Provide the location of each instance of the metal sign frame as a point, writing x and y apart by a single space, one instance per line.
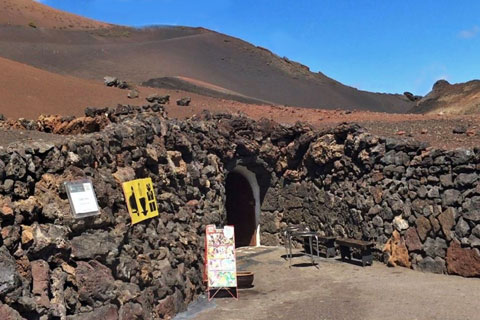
82 198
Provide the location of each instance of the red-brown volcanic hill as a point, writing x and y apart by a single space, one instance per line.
29 12
27 92
195 53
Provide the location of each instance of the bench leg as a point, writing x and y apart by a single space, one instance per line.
345 252
331 252
310 242
367 257
290 249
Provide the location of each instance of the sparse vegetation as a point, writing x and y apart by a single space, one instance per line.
32 24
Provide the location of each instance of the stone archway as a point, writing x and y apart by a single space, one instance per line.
243 206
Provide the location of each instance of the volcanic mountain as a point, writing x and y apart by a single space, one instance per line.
62 43
446 98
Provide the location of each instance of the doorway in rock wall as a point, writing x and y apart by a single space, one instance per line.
241 211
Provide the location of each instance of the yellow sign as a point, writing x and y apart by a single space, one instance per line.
140 197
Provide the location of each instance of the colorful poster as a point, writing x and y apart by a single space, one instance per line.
220 257
141 200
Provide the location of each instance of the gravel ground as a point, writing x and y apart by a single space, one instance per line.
340 290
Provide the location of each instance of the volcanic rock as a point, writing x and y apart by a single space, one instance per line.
410 96
92 112
399 223
110 81
462 228
156 98
451 197
107 312
9 276
447 221
133 94
184 102
465 180
94 245
7 313
476 231
412 240
325 150
94 281
124 174
397 251
464 262
123 85
429 264
131 311
47 238
472 207
423 227
41 279
459 129
435 247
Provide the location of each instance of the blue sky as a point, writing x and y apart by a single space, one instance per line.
382 46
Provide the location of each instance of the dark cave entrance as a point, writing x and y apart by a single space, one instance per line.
240 207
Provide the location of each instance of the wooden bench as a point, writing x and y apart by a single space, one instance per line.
365 248
327 244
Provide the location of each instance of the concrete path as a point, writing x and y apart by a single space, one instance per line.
338 290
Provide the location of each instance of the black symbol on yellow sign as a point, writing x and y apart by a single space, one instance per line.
141 202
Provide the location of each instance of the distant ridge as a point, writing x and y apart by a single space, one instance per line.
446 98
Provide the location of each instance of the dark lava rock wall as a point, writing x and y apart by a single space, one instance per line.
55 267
421 206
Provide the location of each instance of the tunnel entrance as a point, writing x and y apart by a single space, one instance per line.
241 207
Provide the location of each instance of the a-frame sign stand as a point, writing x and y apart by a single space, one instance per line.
220 261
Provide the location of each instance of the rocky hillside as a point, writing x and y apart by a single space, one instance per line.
138 55
446 98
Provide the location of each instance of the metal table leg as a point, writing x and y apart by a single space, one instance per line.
311 248
290 248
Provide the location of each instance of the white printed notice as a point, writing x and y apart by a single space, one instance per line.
82 198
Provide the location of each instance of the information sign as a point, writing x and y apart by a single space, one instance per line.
141 201
82 198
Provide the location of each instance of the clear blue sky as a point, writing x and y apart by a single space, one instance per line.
384 46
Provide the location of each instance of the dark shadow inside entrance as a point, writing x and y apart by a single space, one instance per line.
240 207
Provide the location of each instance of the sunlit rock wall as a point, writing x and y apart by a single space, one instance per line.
421 204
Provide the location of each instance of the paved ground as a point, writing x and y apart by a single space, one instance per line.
338 290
